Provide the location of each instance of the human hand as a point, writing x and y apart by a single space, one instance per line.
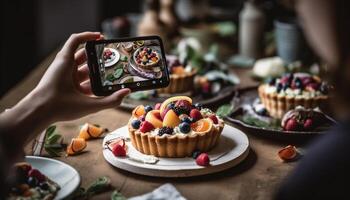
65 87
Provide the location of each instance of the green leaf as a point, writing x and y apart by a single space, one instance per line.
53 139
118 73
110 77
100 185
224 110
124 58
255 122
117 196
50 130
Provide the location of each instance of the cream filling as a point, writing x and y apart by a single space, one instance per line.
292 92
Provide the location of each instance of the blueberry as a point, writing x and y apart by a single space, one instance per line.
44 185
32 181
185 127
298 83
199 106
187 120
171 105
262 112
136 123
324 88
195 154
279 87
148 108
271 81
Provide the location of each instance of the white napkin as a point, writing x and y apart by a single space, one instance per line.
164 192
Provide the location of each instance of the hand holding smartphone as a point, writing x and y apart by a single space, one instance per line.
136 63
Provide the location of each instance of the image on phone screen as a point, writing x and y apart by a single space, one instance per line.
130 61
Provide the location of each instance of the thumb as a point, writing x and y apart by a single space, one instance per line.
114 99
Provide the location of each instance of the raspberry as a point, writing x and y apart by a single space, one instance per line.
203 159
291 125
36 174
214 119
119 151
308 124
195 114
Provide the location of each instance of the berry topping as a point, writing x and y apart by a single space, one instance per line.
165 130
142 118
32 181
203 159
308 124
186 119
181 110
171 105
136 123
291 125
185 127
199 106
196 153
36 174
184 104
324 88
148 108
195 114
174 99
119 151
146 127
214 119
279 87
271 81
157 106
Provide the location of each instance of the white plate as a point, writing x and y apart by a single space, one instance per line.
64 175
232 149
116 58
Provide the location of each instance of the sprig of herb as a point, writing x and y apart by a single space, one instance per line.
101 184
224 110
53 144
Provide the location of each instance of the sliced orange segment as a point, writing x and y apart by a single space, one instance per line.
138 111
202 125
76 145
153 117
173 99
89 131
171 119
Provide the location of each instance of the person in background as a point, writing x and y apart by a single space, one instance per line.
63 93
324 172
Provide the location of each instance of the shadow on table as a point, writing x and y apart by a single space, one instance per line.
245 165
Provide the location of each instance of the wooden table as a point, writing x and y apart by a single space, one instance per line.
255 178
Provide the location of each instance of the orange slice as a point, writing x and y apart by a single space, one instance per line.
138 111
77 145
178 70
171 119
153 117
202 125
173 99
89 131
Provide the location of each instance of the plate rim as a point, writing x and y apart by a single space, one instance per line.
149 171
62 163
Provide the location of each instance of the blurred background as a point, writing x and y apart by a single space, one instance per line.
33 29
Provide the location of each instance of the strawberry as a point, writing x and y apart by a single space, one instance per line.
195 114
308 124
157 106
36 174
146 127
214 119
203 159
119 151
291 125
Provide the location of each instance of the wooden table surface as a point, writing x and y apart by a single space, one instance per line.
257 177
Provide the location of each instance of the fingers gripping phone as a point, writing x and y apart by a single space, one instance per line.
136 63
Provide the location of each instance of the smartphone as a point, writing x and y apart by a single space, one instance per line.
137 63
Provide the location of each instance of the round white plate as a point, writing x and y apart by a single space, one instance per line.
116 58
64 175
232 149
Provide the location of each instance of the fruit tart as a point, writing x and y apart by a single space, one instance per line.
146 57
181 77
174 128
32 184
282 94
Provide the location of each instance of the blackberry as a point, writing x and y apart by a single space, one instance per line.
324 88
199 106
165 130
181 110
148 108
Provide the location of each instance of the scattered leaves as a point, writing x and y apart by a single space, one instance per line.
117 196
118 73
53 144
224 110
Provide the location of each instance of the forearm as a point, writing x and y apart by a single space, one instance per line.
28 117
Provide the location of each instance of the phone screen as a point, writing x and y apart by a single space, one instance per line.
135 63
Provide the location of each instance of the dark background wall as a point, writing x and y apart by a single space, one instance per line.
31 29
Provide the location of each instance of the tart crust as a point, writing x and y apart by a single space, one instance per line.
175 146
278 105
179 83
